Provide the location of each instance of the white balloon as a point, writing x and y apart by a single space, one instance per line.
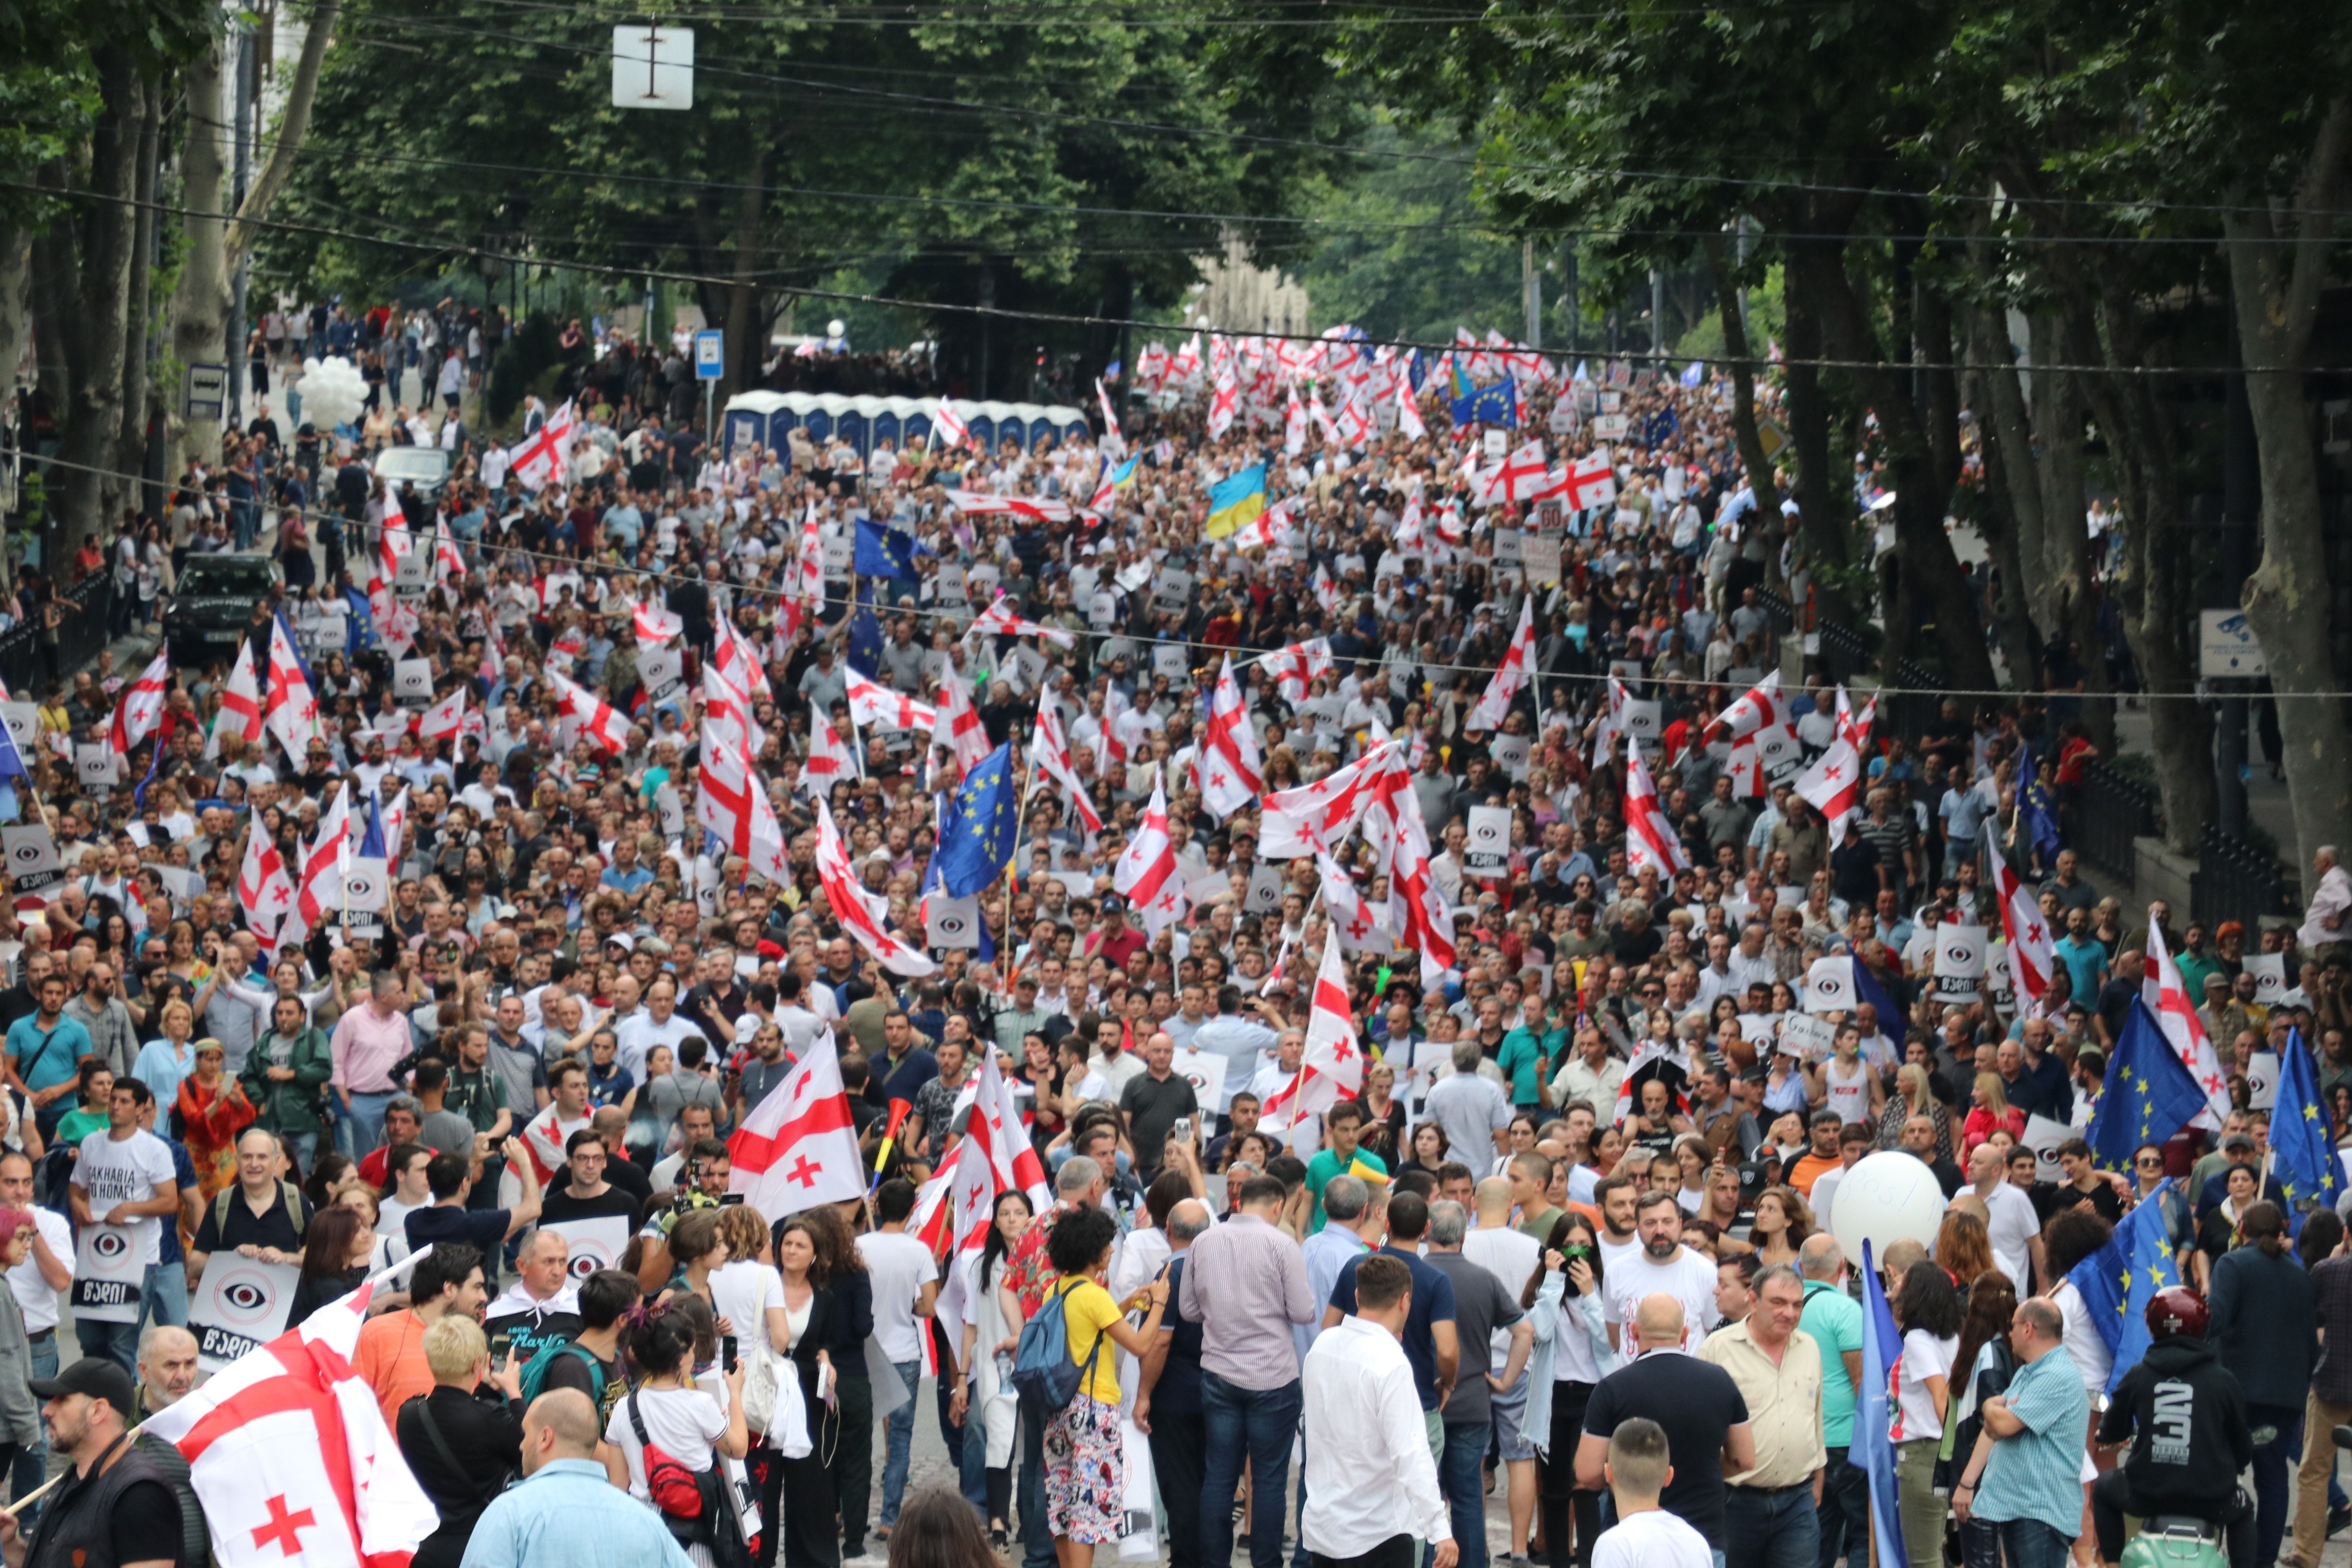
332 391
1886 1197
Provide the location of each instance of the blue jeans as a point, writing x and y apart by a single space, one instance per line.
2274 1475
2029 1544
1461 1474
1036 1539
365 1122
1843 1521
1772 1529
117 1341
899 1432
1252 1426
972 1470
33 1459
163 1297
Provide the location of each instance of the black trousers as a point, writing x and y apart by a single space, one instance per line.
853 1465
2114 1495
1396 1552
1180 1458
1562 1498
797 1498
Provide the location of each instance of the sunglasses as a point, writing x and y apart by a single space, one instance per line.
2153 1164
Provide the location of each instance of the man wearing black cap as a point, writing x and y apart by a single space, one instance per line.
112 1509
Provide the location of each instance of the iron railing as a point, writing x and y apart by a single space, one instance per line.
2236 881
28 665
2110 811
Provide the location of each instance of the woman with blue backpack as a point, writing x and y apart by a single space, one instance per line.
1077 1396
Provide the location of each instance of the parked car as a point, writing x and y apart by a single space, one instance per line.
424 470
212 605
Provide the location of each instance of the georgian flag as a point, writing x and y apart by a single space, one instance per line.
1294 425
2030 951
1358 927
724 785
997 1112
1049 755
1761 707
735 658
445 720
240 706
141 708
590 715
1650 839
872 704
947 426
655 625
958 726
1418 912
1331 1068
1037 509
859 912
799 1146
290 1457
2167 997
545 457
1408 411
290 709
828 759
1187 363
321 892
1224 402
1327 592
1517 477
805 594
1325 425
1833 783
264 892
1112 440
1511 676
1300 662
998 620
1231 773
1317 816
1262 532
542 1138
1591 480
1147 874
449 560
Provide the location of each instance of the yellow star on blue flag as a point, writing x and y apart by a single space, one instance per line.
976 844
2303 1141
2118 1282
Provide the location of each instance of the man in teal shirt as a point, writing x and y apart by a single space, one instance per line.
1526 1057
1834 1320
2031 1486
1345 1123
44 1051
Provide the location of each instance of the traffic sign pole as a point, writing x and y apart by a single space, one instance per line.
709 365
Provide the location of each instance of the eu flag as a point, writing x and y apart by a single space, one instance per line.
2033 802
1661 427
2148 1094
863 648
1872 1453
2118 1282
982 822
1494 404
2302 1142
883 551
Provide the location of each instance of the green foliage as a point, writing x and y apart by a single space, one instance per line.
1404 252
529 349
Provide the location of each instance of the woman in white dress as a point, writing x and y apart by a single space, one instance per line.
991 1332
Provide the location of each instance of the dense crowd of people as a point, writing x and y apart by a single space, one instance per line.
1590 1125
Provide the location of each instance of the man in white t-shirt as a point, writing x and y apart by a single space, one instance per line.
1664 1267
1645 1535
905 1281
123 1180
1496 1245
2011 1225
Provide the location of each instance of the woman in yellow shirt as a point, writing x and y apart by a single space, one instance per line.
1086 1472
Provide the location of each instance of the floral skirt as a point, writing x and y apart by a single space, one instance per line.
1085 1473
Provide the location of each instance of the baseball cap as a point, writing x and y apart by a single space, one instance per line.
2238 1141
93 1375
623 940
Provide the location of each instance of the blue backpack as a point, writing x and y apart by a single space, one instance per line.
1043 1375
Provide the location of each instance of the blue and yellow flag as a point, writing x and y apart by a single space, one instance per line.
1123 477
2302 1142
1237 502
2148 1095
1494 404
2118 1282
982 822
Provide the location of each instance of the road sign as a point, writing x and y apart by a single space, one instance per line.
2226 646
206 391
653 67
710 355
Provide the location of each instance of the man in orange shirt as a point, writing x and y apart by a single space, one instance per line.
391 1353
1821 1158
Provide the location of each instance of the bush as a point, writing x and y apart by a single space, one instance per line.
529 350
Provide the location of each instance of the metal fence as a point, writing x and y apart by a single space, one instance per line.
2110 811
1844 652
1778 610
2236 881
27 664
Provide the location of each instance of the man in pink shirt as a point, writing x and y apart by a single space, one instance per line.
367 1042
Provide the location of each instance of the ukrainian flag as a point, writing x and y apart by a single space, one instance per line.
1123 477
1237 502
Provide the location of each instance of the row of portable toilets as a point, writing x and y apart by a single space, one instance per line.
768 419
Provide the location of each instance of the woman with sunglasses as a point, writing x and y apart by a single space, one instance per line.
2148 1174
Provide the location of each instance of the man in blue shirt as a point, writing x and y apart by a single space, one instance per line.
43 1050
2031 1486
566 1510
1429 1342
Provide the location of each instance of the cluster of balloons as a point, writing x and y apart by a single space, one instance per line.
332 391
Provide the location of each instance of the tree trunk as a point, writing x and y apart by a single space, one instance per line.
139 316
1761 477
2275 288
16 298
2012 620
200 298
95 354
1822 514
293 125
744 316
1928 566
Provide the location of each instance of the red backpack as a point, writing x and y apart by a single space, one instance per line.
675 1489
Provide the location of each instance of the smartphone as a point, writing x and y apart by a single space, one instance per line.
727 1351
498 1346
1184 1127
726 1198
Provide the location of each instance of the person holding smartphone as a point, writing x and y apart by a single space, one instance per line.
1571 1355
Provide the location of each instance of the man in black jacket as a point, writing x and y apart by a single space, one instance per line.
2186 1417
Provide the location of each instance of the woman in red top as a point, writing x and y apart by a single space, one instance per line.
1992 1113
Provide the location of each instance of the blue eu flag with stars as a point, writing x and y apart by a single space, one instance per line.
2148 1096
982 822
883 551
2302 1142
1494 404
864 649
1872 1452
2118 1282
2033 803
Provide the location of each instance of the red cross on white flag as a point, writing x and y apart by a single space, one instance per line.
799 1147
